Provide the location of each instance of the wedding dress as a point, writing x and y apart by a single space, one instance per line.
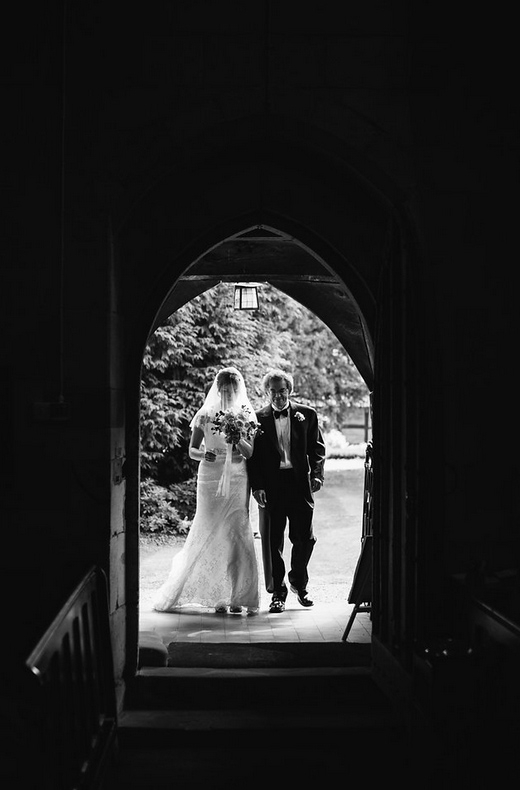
217 565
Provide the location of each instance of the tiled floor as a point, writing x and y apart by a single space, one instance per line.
325 622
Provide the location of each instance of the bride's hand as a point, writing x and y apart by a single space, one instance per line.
209 455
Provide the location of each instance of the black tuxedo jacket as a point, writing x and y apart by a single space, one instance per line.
307 450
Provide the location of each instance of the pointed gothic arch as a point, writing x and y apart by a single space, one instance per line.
356 264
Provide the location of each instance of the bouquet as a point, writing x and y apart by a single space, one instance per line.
235 425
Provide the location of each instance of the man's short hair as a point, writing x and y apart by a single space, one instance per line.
277 373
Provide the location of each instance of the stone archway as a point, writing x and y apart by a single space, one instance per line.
267 254
335 250
271 255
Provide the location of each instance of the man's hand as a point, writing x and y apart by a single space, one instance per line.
260 497
316 484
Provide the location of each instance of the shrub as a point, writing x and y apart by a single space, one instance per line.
160 515
337 446
185 497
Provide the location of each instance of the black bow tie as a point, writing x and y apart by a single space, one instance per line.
282 413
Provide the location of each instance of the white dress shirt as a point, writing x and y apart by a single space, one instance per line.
283 432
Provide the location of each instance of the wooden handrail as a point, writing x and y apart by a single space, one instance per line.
72 665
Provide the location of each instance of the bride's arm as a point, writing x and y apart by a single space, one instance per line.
195 452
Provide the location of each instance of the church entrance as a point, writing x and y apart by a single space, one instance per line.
339 505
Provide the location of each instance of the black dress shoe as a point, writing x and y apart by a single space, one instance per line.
281 593
277 605
303 597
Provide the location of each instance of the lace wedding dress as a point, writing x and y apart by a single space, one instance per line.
217 565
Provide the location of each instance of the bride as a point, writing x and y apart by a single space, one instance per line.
217 565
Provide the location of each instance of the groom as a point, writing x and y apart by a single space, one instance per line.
285 470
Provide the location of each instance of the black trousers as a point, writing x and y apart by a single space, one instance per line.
287 502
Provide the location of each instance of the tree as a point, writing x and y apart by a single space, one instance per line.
325 375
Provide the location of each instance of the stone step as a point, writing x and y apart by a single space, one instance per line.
216 748
163 728
182 688
207 726
154 652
